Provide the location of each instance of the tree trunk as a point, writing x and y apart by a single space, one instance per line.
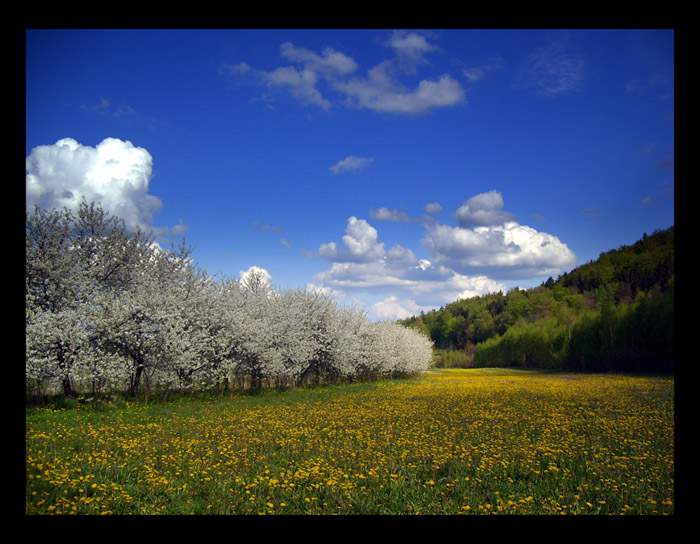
64 363
67 387
136 376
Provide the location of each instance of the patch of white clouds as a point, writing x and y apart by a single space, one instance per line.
179 229
467 260
509 250
385 214
382 92
363 264
360 244
329 63
313 77
410 45
478 73
392 308
433 207
115 174
483 209
105 107
394 215
352 163
552 70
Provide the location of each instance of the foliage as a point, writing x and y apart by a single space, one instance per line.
612 314
109 310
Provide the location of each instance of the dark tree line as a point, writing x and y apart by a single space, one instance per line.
612 314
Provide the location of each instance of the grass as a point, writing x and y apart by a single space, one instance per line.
454 442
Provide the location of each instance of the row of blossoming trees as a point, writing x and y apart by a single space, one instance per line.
108 310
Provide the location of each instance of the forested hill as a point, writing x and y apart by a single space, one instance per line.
643 266
614 313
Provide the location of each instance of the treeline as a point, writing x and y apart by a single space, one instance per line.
612 314
110 311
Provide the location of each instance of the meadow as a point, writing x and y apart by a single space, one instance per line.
489 441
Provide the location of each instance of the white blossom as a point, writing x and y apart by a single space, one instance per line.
108 310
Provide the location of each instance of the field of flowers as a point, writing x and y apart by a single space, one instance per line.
453 442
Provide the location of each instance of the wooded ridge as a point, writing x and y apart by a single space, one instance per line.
612 314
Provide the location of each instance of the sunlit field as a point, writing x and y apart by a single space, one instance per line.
453 442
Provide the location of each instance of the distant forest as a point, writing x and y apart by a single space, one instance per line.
613 314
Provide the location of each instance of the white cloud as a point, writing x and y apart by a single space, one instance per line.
263 274
381 90
360 241
115 174
427 286
102 107
433 207
179 229
483 209
473 74
382 93
395 216
464 262
477 73
301 84
330 63
508 250
410 43
240 68
552 70
391 308
351 164
265 226
364 265
385 214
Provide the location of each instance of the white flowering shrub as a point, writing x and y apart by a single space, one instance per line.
109 310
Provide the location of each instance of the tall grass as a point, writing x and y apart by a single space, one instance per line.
455 442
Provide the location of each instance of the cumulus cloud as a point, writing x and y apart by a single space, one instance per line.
360 244
507 250
115 174
317 79
465 261
483 209
352 163
365 265
257 273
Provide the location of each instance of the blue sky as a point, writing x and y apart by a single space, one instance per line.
397 169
